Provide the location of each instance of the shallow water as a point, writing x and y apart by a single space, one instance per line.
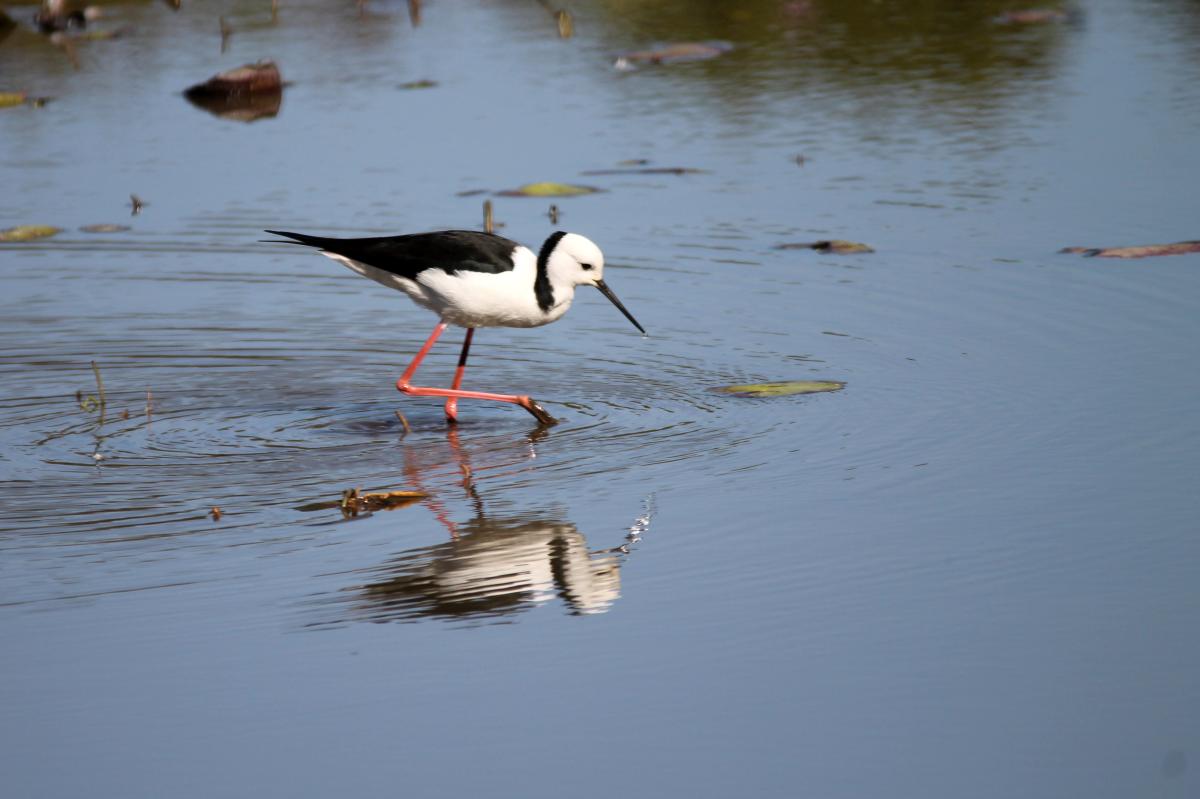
971 572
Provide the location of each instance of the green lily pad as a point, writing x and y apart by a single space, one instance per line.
549 189
782 389
28 232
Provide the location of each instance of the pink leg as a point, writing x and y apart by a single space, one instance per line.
452 402
405 386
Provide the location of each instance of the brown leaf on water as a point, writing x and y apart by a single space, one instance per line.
1142 251
835 246
650 170
418 84
28 233
672 53
1032 16
354 501
104 228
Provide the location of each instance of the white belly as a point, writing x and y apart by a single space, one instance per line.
470 299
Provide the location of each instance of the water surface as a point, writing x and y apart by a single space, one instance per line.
971 572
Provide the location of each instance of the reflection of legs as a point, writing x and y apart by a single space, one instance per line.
405 386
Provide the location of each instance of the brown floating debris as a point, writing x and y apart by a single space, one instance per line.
215 513
672 53
260 78
355 501
404 423
649 170
1142 251
28 233
836 246
1032 16
104 228
250 92
418 84
566 24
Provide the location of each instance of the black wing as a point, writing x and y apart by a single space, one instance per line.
409 255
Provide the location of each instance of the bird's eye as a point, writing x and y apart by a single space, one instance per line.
588 267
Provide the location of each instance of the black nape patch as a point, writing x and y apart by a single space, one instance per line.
541 284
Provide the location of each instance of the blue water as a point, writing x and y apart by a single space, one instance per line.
972 572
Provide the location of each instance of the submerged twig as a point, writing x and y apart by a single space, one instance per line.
404 423
489 225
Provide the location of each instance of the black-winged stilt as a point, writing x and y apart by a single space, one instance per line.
473 279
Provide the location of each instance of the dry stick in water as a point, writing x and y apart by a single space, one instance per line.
99 386
149 405
489 225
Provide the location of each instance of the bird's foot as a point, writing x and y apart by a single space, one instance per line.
452 410
538 411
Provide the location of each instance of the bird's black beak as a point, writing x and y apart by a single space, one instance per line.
607 292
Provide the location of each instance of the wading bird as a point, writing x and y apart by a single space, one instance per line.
472 280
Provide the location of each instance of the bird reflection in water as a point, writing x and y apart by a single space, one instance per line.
492 567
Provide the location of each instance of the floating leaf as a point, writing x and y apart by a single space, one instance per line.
782 389
1144 251
11 99
673 53
1032 16
650 170
548 189
836 246
418 84
104 228
354 501
28 232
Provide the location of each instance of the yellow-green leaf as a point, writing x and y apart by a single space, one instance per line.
782 389
10 99
549 189
28 232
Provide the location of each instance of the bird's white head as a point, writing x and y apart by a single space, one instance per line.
574 259
568 260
